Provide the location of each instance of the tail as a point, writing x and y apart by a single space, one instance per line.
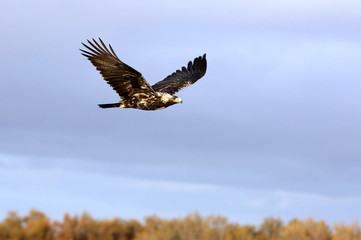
109 105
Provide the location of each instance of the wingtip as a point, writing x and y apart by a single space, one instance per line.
101 41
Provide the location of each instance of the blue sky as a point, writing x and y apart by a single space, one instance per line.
272 129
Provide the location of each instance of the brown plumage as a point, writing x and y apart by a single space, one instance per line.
131 86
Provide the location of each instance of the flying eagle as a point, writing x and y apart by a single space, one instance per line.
133 89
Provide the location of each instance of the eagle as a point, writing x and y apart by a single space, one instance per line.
133 89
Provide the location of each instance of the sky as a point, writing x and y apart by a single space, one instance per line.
272 129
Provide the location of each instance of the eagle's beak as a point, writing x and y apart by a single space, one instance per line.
178 100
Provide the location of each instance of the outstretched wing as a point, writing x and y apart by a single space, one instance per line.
125 80
183 78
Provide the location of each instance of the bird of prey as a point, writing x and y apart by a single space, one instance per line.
133 89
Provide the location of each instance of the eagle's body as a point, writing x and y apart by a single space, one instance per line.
145 101
133 89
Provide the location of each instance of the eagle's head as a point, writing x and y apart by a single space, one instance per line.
177 99
170 99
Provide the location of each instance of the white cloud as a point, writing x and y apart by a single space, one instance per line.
257 202
287 200
166 185
19 167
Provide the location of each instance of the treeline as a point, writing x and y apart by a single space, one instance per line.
37 226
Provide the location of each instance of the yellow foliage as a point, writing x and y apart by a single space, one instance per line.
37 226
343 232
306 230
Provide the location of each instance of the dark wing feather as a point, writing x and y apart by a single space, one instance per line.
183 78
125 80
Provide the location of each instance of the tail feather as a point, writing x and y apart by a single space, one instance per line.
109 105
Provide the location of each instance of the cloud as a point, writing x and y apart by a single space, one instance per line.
32 168
288 199
257 203
74 185
167 186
